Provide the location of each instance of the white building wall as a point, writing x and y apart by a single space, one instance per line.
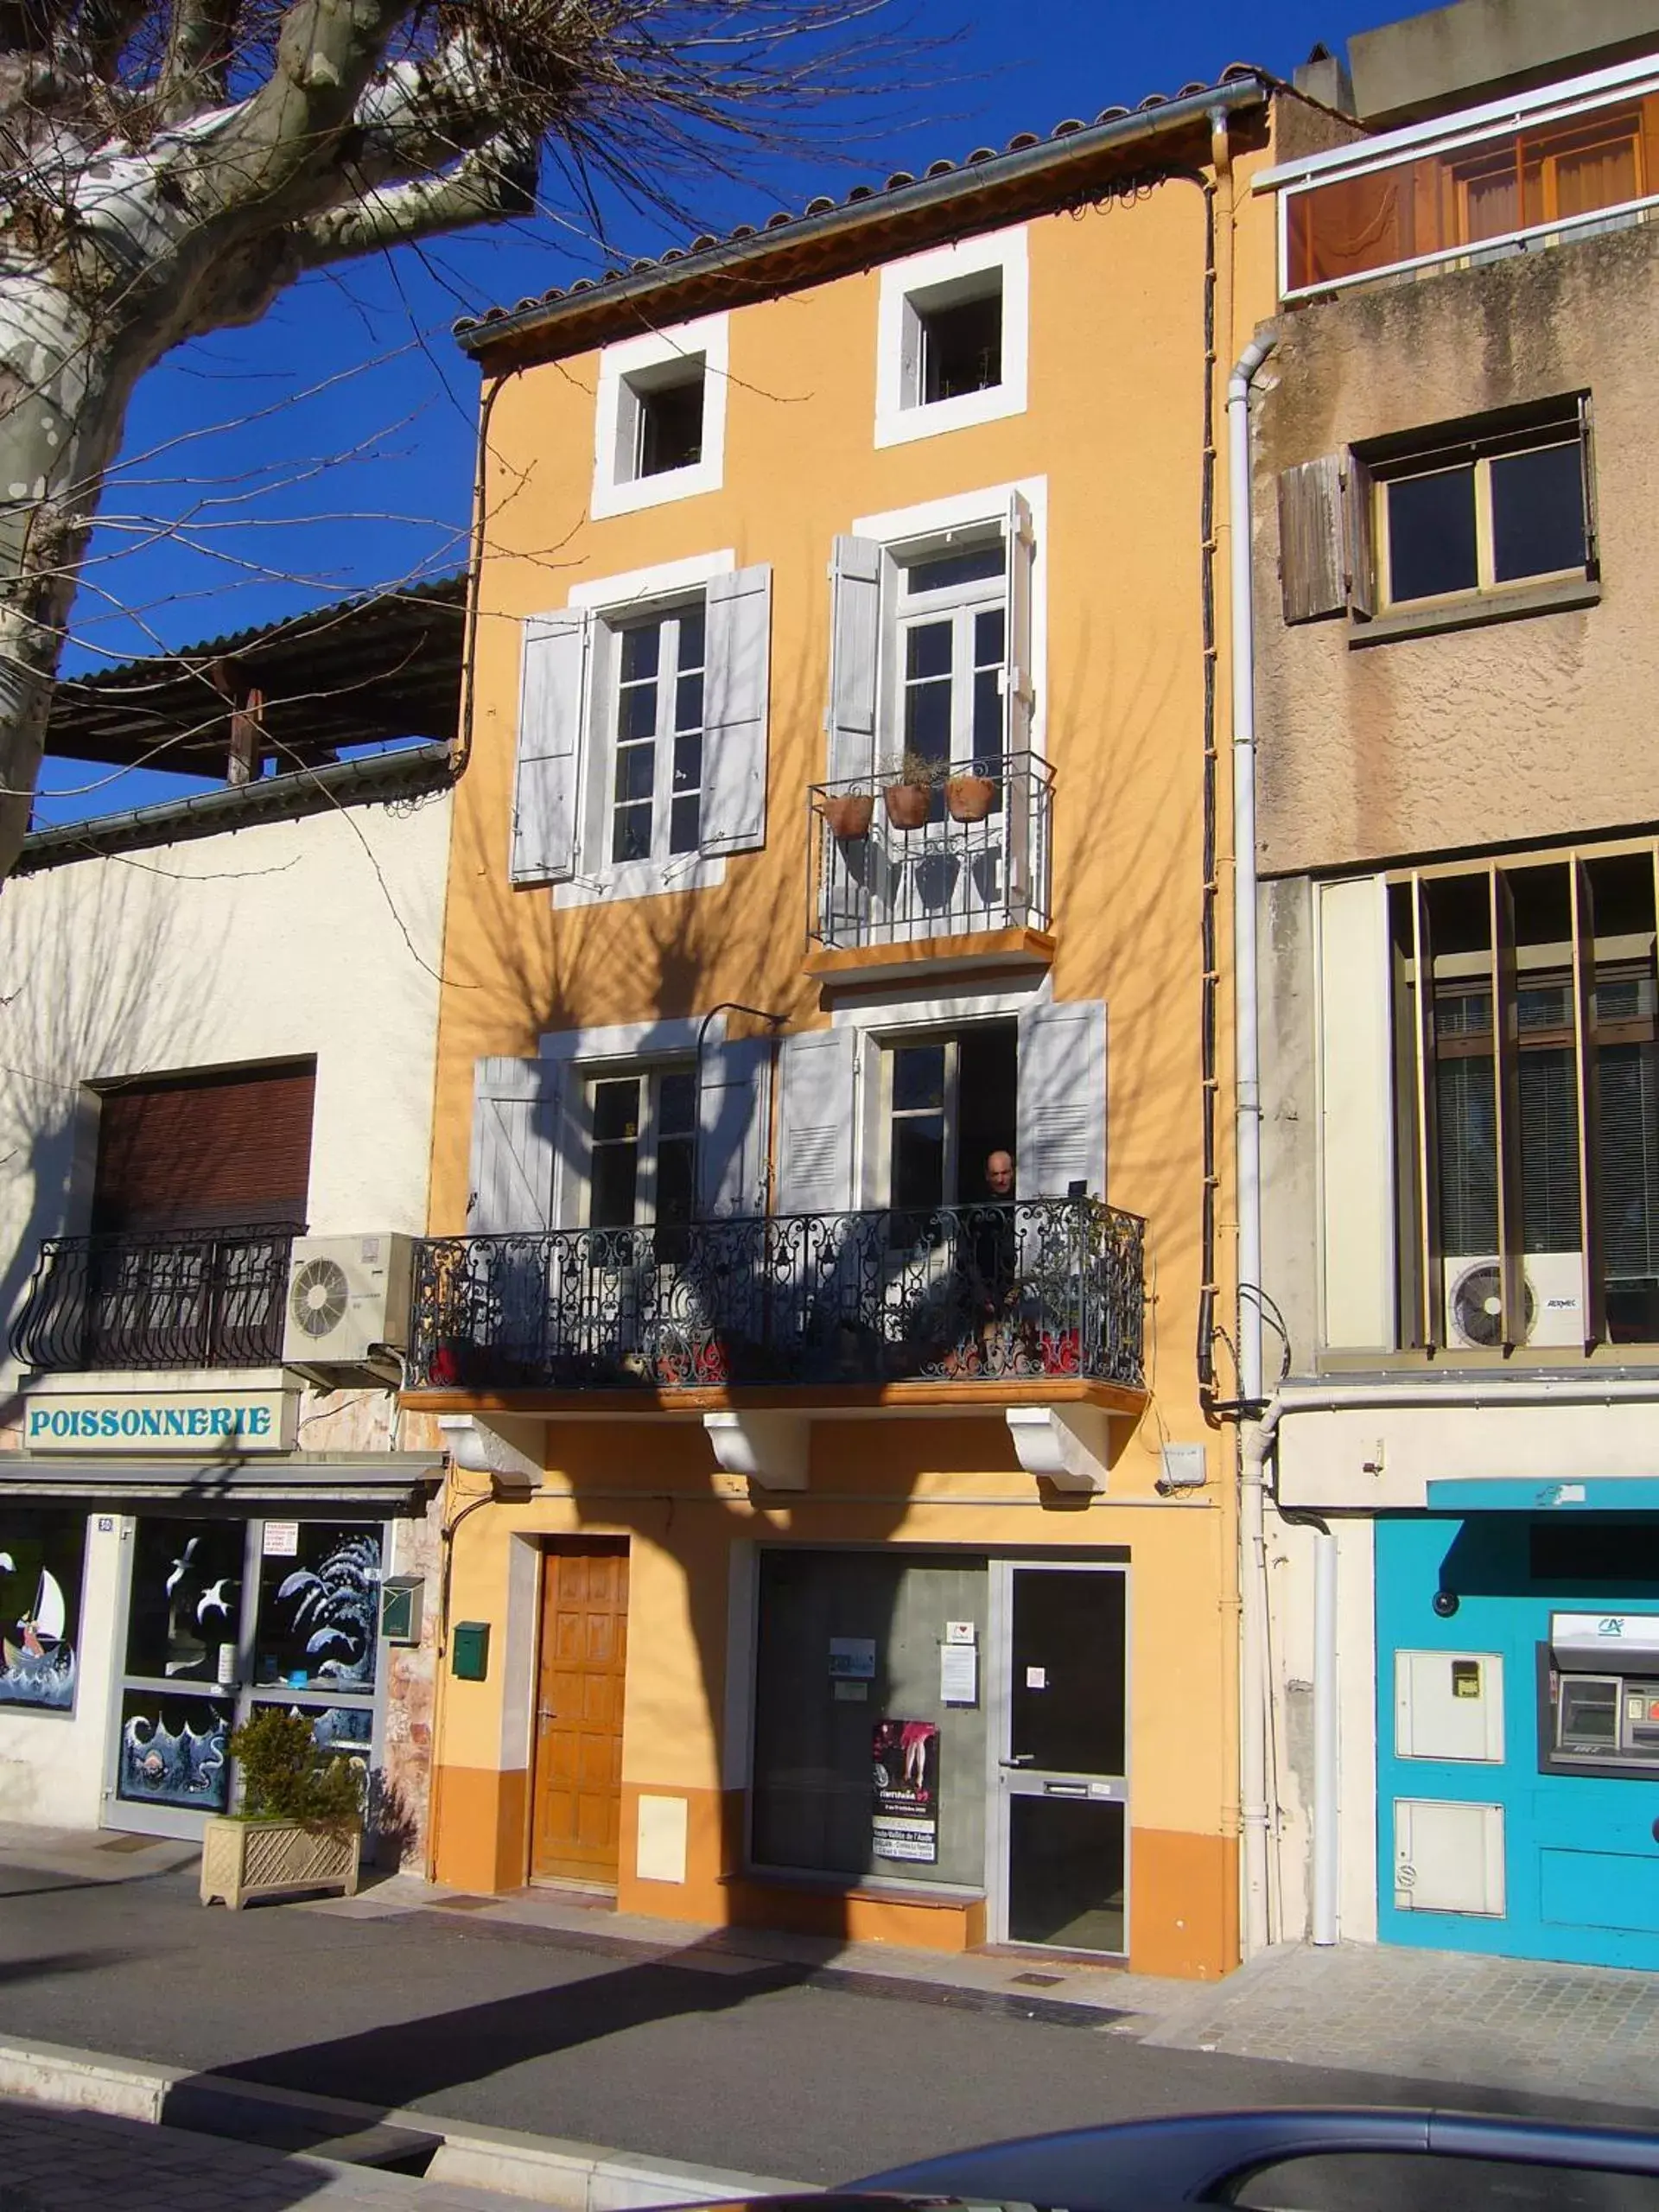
320 936
317 937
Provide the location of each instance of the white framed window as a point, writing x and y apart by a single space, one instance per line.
952 338
950 658
948 1102
937 637
642 1126
643 732
660 417
655 802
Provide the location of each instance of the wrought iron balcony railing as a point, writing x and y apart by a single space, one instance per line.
1042 1286
896 863
207 1298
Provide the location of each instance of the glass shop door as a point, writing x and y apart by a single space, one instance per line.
1060 1868
225 1614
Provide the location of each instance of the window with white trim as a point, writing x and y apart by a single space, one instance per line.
952 338
934 818
643 734
951 623
660 417
643 1125
951 1101
656 797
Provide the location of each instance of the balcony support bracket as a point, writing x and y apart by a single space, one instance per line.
771 1449
1067 1445
507 1452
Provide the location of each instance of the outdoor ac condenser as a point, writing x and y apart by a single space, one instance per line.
347 1298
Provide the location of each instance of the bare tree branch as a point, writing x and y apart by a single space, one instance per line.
499 179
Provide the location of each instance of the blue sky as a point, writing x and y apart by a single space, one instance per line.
328 448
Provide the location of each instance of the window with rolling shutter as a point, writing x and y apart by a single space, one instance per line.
205 1151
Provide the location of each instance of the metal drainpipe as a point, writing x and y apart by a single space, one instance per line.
1325 1920
1256 1434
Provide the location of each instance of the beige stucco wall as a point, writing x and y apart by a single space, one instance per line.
1533 729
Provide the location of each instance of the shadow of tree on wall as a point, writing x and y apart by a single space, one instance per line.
99 980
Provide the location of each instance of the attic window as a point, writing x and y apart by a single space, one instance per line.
665 429
958 346
660 417
952 337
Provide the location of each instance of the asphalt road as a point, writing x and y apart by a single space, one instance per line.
721 2061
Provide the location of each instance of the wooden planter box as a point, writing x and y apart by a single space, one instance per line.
276 1858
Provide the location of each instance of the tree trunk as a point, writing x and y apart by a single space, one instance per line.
63 401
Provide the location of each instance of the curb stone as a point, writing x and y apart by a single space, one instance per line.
552 2170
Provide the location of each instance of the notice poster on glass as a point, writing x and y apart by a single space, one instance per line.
905 1823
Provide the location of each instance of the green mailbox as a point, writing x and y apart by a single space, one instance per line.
400 1607
469 1651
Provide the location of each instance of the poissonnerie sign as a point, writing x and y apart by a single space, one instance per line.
202 1421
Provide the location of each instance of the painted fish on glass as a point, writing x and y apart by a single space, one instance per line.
337 1603
168 1768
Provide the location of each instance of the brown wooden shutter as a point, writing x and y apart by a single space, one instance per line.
1311 539
1358 552
209 1151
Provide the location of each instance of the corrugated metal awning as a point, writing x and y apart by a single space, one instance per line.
390 1482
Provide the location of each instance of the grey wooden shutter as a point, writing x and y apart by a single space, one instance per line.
815 1121
854 655
550 748
1062 1100
515 1146
735 691
1327 562
734 1105
1311 539
1018 690
1359 553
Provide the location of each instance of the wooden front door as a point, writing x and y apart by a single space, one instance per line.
576 1826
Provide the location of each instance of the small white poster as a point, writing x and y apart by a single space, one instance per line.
1036 1678
959 1673
282 1539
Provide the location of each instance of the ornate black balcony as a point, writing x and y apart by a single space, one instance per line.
207 1298
894 863
1043 1287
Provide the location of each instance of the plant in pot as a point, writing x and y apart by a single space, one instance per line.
971 796
909 798
300 1824
848 813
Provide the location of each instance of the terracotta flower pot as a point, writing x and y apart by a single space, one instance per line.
850 815
969 799
908 804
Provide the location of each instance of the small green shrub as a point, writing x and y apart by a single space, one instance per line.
286 1777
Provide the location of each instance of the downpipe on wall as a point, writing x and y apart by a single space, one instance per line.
1258 1420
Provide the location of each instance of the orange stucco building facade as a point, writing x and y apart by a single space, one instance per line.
841 1534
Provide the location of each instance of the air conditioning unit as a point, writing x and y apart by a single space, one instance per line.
347 1299
1552 1301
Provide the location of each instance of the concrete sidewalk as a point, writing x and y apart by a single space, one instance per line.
541 2013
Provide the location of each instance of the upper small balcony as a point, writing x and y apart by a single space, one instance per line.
1537 169
1042 1296
947 867
208 1298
